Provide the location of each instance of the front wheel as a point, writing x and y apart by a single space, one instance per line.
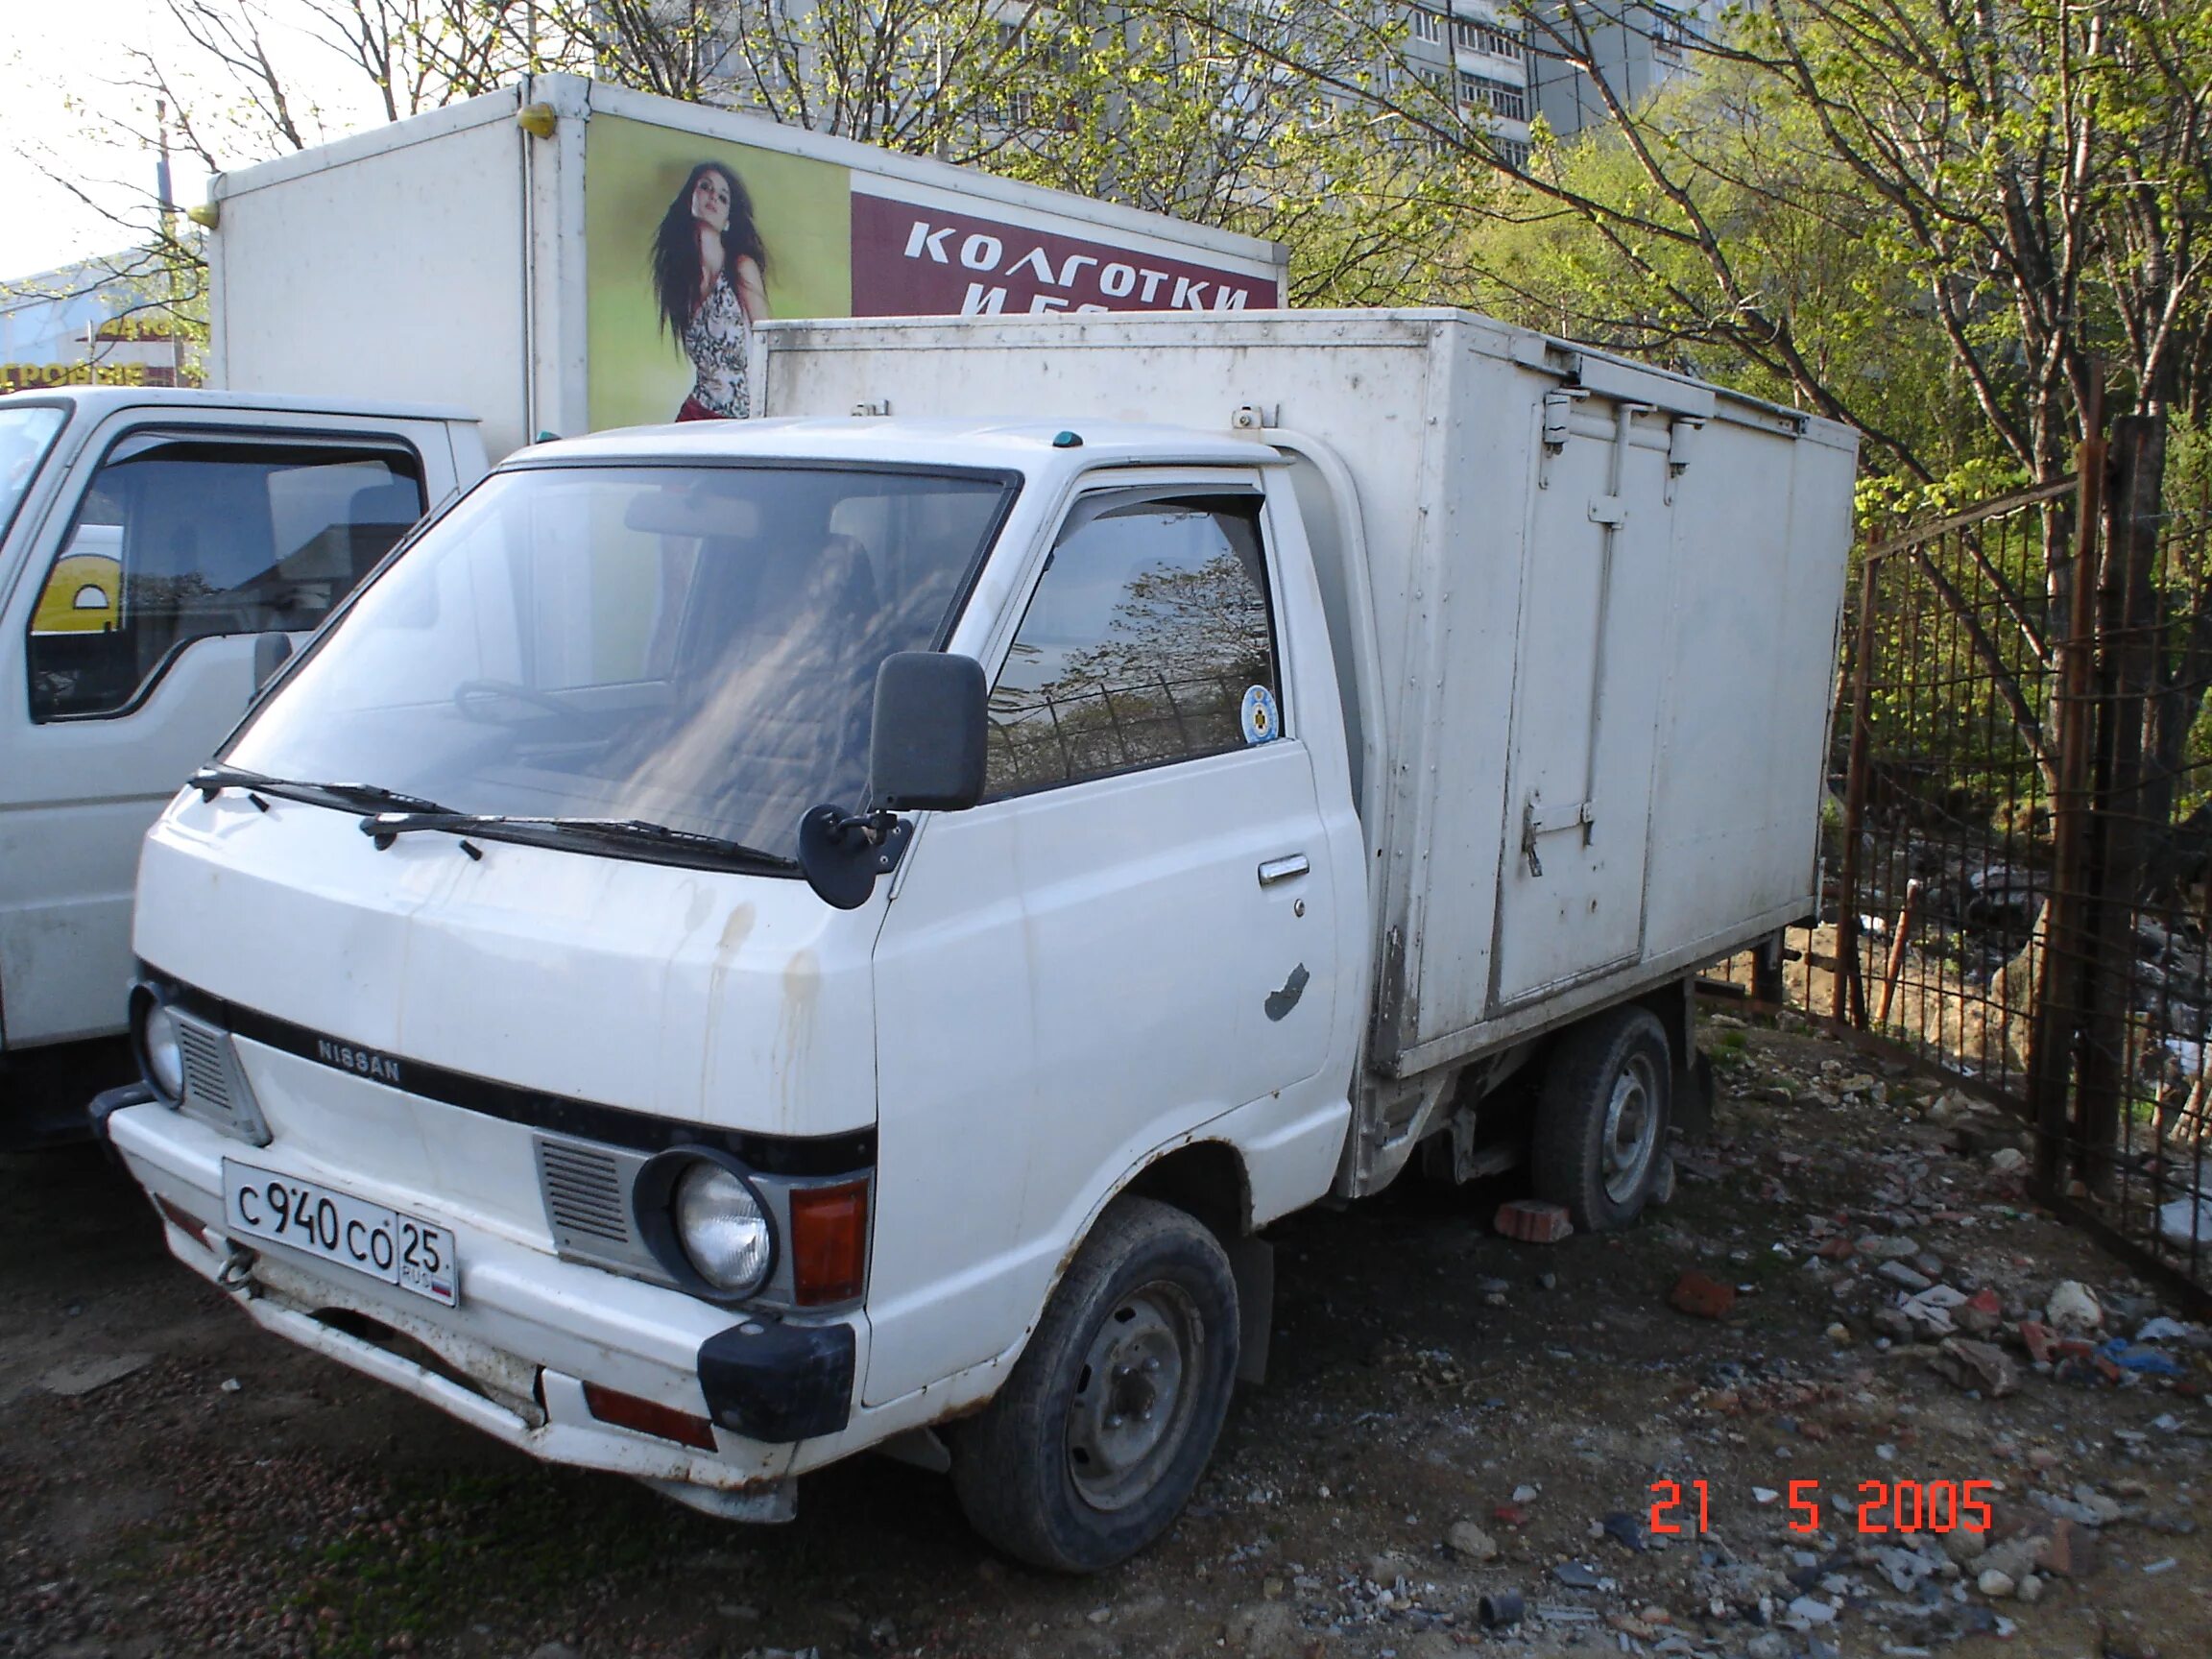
1092 1447
1600 1141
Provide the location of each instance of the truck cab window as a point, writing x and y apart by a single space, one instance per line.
1149 641
180 540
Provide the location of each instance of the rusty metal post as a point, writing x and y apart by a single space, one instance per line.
2126 679
1907 919
2051 1029
1850 1000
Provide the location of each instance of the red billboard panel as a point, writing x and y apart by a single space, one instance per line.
910 259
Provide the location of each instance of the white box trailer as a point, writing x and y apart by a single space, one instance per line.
499 254
873 915
1584 619
492 263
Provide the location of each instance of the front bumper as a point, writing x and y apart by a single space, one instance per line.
529 1334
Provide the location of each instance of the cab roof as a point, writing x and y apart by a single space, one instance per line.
99 401
1018 445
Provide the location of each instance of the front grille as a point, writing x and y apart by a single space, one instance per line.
215 1088
207 1078
586 1197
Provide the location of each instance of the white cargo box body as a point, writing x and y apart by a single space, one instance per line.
497 253
1583 612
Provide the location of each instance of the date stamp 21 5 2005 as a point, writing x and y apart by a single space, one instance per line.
1879 1507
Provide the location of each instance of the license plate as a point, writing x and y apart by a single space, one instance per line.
387 1244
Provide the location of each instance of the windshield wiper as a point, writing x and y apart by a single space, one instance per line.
386 827
212 780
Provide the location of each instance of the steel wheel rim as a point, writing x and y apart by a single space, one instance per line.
1134 1396
1631 1128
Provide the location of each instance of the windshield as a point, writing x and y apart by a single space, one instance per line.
25 434
687 646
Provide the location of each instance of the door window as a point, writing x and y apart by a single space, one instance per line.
181 539
1149 640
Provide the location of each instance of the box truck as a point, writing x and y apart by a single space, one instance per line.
872 917
518 260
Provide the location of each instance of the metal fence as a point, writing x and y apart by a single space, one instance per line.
2020 833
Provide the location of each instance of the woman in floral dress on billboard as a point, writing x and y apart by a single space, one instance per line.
710 275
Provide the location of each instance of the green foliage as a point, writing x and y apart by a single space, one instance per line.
1197 110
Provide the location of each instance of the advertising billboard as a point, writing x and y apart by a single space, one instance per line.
690 241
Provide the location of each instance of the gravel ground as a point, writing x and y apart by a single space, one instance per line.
1450 1415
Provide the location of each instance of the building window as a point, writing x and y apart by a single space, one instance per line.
1669 34
1502 98
1426 25
1470 35
1513 153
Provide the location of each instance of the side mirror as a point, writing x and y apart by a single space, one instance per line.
271 652
925 754
925 751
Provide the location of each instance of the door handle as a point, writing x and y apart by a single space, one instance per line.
1276 869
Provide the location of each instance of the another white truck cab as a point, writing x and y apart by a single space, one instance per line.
151 542
745 945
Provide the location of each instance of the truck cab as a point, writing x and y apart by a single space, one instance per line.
150 543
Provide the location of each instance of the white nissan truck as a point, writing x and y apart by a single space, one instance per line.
743 945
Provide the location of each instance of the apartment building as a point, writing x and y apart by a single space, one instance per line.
1638 46
1503 69
1478 59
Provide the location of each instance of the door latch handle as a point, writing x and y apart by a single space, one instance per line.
1538 820
1276 869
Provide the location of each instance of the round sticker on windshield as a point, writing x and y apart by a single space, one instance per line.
1263 721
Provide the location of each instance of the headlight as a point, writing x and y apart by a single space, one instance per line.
723 1229
163 1052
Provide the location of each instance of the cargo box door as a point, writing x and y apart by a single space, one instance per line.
1585 699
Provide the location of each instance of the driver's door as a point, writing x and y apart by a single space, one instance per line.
127 654
1131 936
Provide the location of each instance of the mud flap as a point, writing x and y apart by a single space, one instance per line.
1252 1261
1693 1101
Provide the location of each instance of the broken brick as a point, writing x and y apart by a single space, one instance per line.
1510 1515
1534 1221
1977 1366
2038 1339
2068 1551
1695 1294
1981 1312
1836 1249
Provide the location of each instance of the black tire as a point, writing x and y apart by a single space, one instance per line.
1059 1469
1601 1132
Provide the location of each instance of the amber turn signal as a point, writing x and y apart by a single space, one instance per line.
828 1244
648 1417
179 1218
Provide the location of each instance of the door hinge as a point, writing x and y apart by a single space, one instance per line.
1680 435
1558 413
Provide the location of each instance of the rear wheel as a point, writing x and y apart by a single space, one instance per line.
1092 1447
1600 1139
